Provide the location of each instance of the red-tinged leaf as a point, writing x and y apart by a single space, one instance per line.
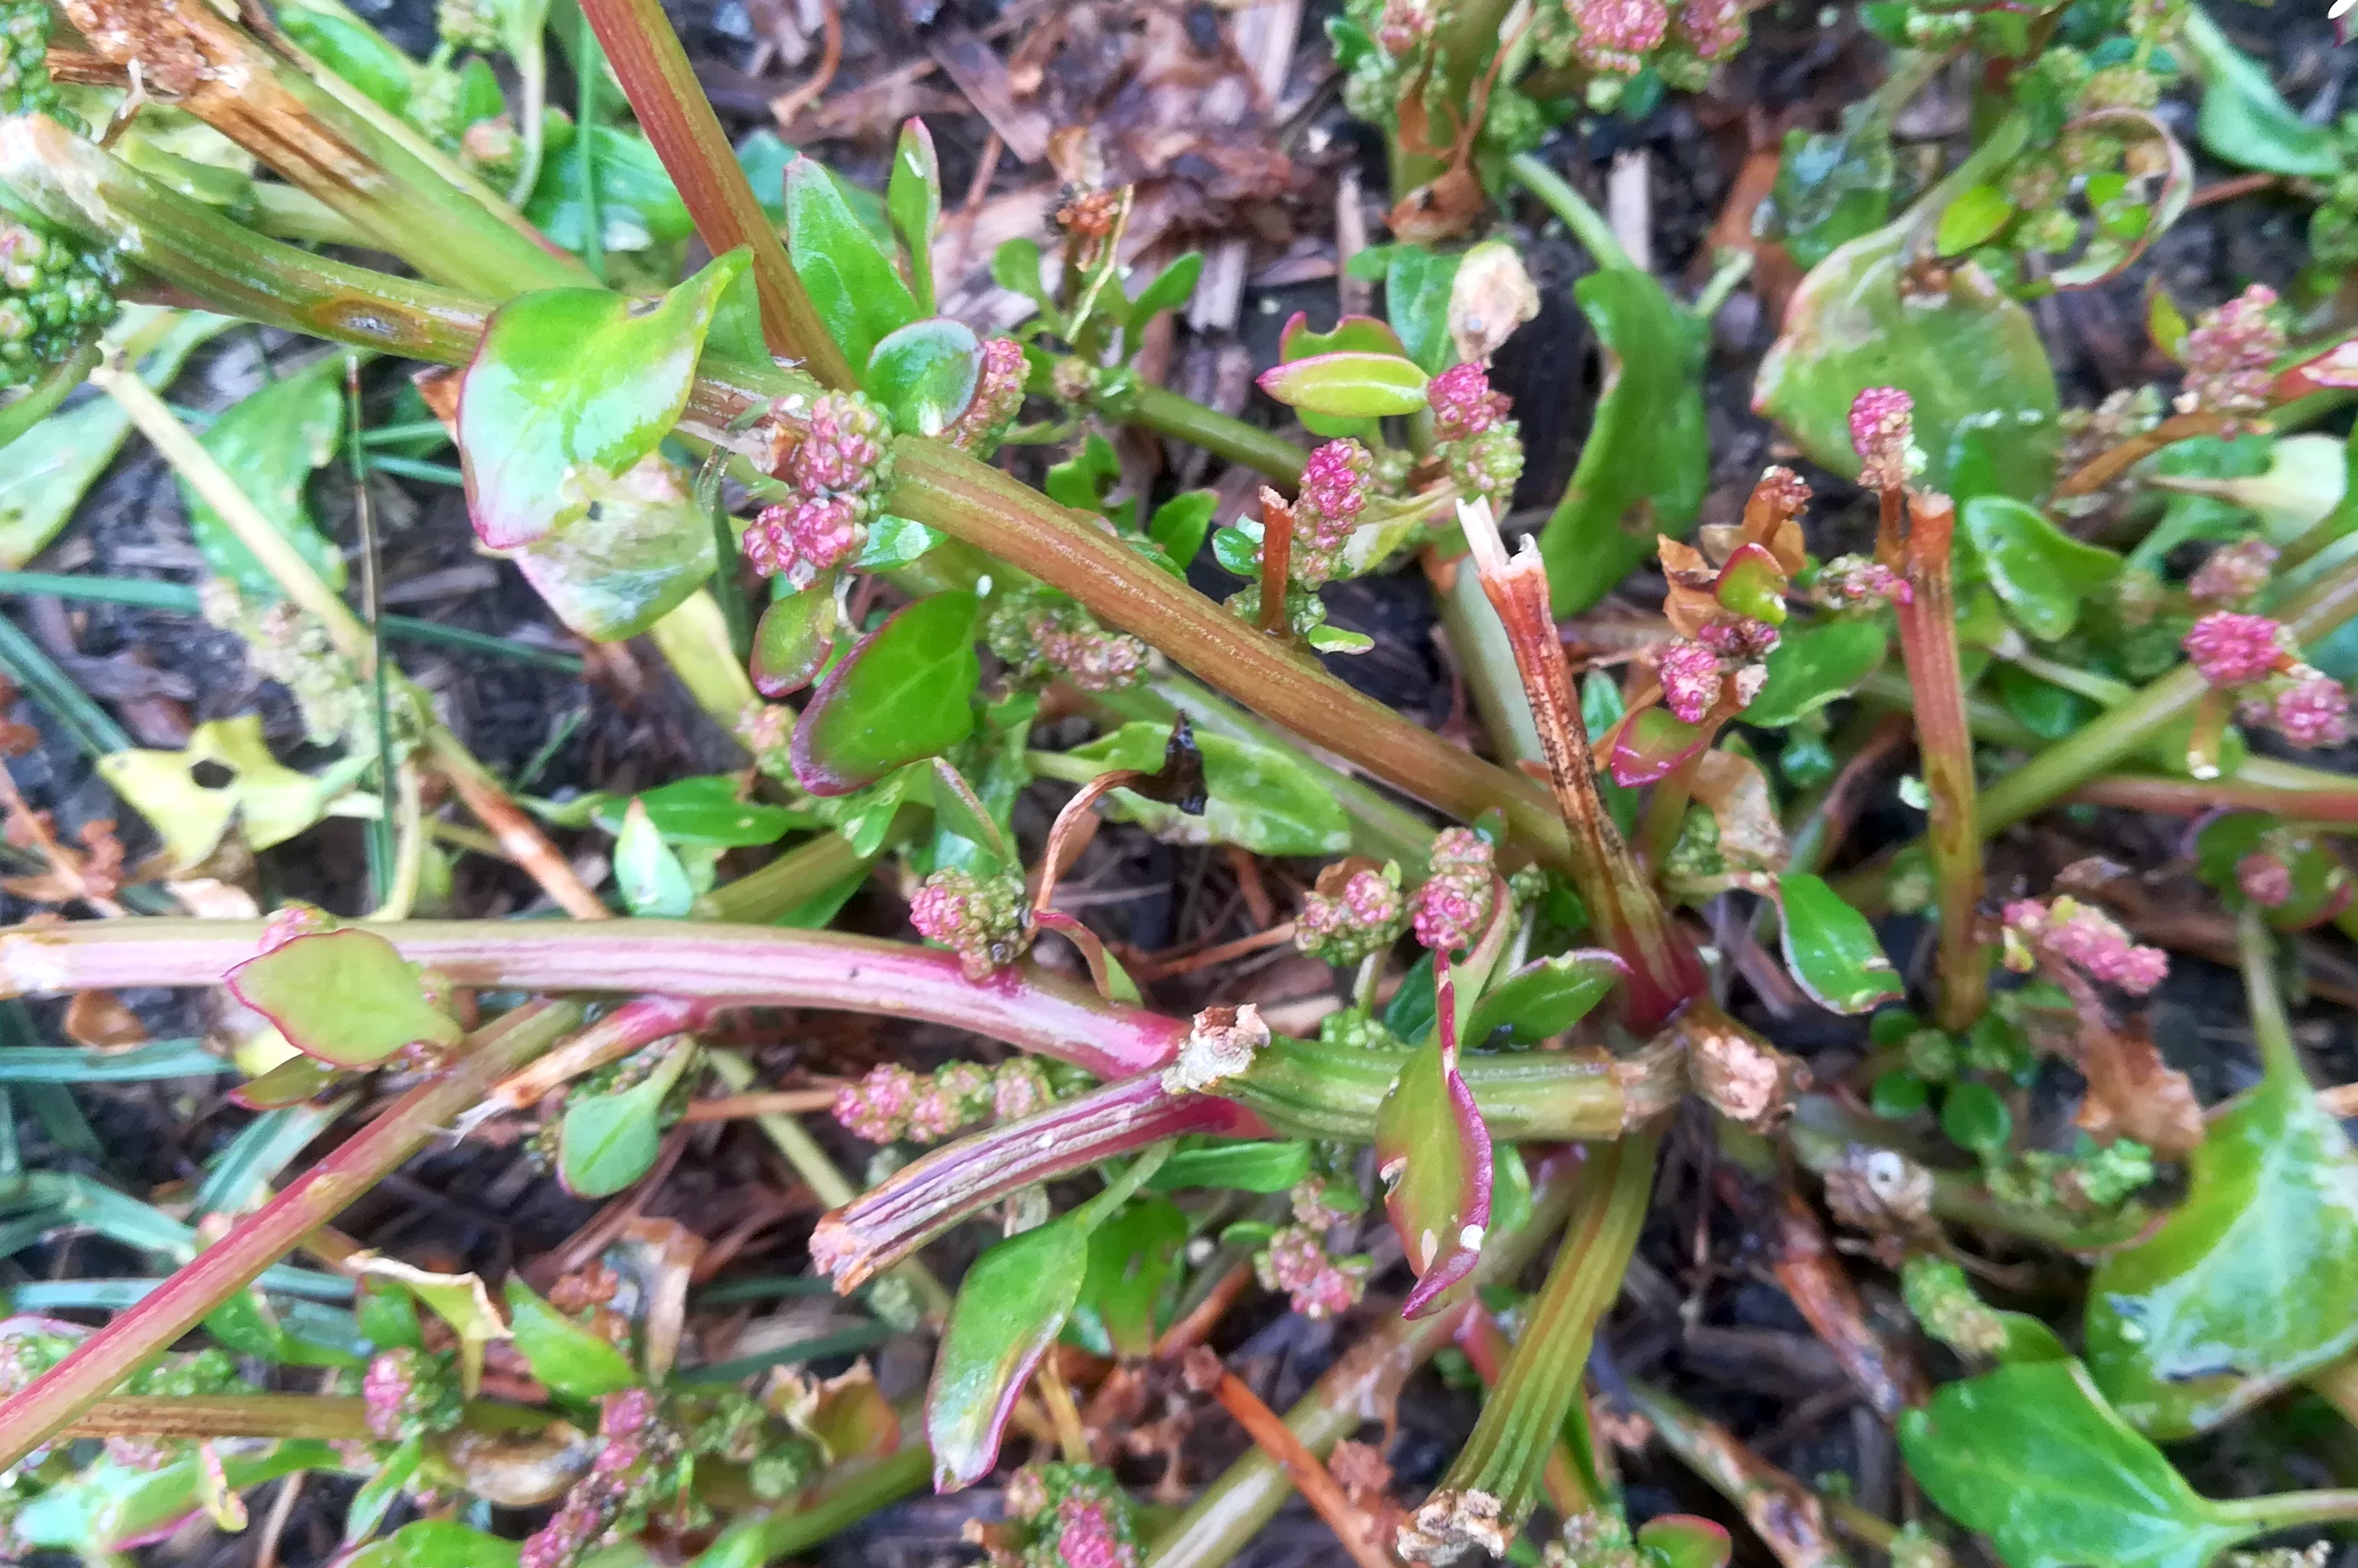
292 1082
1653 745
1830 948
569 389
1753 584
902 694
1350 385
1354 334
794 639
1009 1311
1433 1150
346 997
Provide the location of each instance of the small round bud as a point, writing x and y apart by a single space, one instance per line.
2232 649
2231 355
980 919
1463 404
2313 711
1690 674
1614 36
1883 434
801 539
2234 573
876 1105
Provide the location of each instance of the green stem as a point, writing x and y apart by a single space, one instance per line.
846 1501
1228 1513
1587 224
1521 1422
137 1336
795 877
1166 413
41 399
326 1417
1486 659
2271 1029
2290 1510
678 120
1722 286
589 66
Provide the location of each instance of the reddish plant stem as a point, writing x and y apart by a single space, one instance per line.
921 1199
630 1027
738 965
101 1362
1276 563
1786 1514
326 1417
1806 1265
1486 1347
2107 466
776 1102
1304 1469
1944 744
2189 797
518 833
678 120
1664 972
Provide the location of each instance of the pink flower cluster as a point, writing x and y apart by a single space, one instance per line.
1296 1261
2234 573
2232 649
1614 36
2309 709
891 1104
1088 656
2313 710
1335 484
2231 355
389 1391
1450 909
1713 29
622 1479
998 398
982 919
1883 434
1691 680
1463 404
1847 581
2092 942
2264 879
1322 1205
1366 916
836 471
1481 447
1076 1516
1403 25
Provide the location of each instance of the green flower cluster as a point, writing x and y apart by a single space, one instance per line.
25 84
53 294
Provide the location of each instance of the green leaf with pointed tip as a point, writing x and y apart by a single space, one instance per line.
2043 574
269 442
1179 526
1968 354
904 693
1544 998
639 208
2030 1456
568 391
1978 212
793 640
893 543
436 1544
1644 467
1830 948
1433 1154
381 1490
1814 665
2248 1284
1416 298
1015 266
1683 1540
2244 121
654 885
346 997
1349 384
573 1362
1654 744
912 196
1010 1309
925 373
708 812
851 282
1253 1167
1167 290
961 811
1259 797
1132 1256
607 1141
109 1506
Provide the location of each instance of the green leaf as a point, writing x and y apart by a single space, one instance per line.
1015 266
2049 710
382 1489
2031 1456
1131 1258
1167 290
246 1324
387 1315
1416 297
1647 461
359 54
2244 121
639 209
607 1141
653 883
269 442
1180 523
1830 948
1814 665
893 543
1252 1167
1653 745
1968 354
1978 213
1974 1116
904 693
1832 187
851 282
1010 1309
51 465
571 387
2248 1284
1683 1540
925 373
1544 998
793 640
959 810
1352 385
708 812
2043 574
575 1363
1260 799
346 997
641 546
436 1543
913 196
1432 1151
109 1506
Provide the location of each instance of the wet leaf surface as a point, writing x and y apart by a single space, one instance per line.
904 693
1010 1309
1829 947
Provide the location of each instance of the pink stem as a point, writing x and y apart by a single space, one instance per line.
743 965
100 1363
920 1201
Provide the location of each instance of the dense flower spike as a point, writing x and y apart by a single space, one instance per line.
876 1106
998 398
623 1481
2234 574
1883 434
982 919
2087 939
53 294
1486 467
1323 1205
1065 1516
2264 879
1040 634
2231 355
1463 404
1365 915
801 539
1296 1261
842 446
1614 36
1711 29
1690 674
2232 649
406 1391
1019 1086
960 1092
836 469
1453 905
1848 581
2312 711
